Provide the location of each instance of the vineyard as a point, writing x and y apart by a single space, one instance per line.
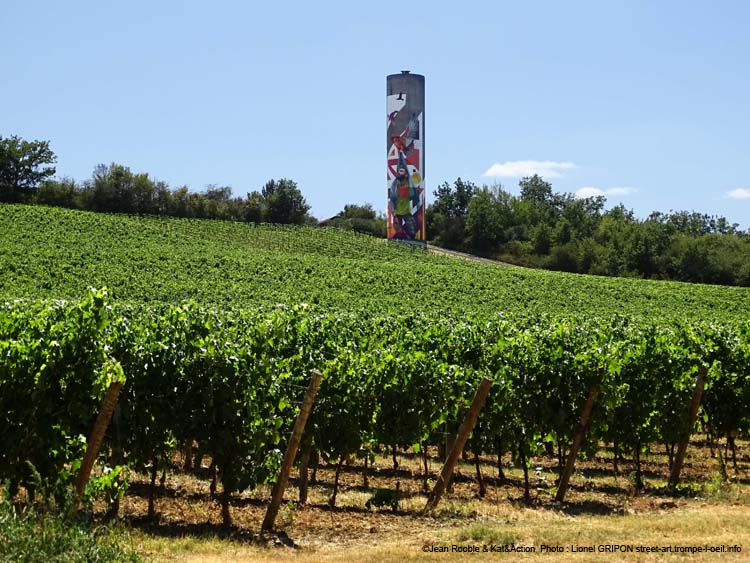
57 254
215 329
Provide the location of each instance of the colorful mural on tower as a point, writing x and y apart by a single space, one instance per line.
406 198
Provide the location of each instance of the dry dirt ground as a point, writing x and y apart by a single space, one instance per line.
601 512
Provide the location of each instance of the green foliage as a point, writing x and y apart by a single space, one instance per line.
31 536
58 253
52 378
109 486
453 201
403 339
381 498
486 219
353 211
58 193
359 218
25 175
284 203
446 216
536 190
541 228
23 166
228 379
542 239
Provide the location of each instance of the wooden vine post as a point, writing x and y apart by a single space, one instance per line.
95 439
458 446
700 382
575 447
304 463
291 452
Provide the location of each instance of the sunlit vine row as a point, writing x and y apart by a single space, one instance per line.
231 380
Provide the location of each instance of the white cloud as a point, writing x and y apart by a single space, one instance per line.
590 191
520 168
739 193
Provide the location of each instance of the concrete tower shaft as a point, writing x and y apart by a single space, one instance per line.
405 146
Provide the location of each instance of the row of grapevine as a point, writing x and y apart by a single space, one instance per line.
231 381
57 253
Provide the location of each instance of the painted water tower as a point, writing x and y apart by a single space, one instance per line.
405 146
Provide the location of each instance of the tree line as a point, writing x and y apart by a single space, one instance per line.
538 228
544 229
27 175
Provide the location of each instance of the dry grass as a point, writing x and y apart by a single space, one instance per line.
698 526
600 510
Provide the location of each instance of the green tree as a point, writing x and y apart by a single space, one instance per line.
58 193
542 239
484 220
254 207
113 189
538 203
284 202
23 166
361 219
534 188
563 257
583 214
221 205
563 232
446 217
454 201
353 211
646 247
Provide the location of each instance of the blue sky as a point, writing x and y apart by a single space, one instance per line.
644 101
